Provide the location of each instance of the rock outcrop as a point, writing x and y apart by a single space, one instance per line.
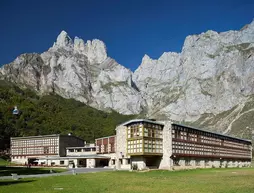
210 83
78 70
213 74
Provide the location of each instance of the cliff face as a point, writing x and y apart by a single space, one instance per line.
209 84
78 70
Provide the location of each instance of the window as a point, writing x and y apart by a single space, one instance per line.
113 162
128 161
61 162
121 161
46 150
71 150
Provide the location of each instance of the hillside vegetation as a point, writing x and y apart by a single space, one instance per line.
51 114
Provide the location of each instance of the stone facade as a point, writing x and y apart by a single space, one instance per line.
166 162
121 146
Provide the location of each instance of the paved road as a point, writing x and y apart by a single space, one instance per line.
69 172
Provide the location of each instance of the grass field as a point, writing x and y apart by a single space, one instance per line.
193 181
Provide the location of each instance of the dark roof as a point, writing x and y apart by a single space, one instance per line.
141 120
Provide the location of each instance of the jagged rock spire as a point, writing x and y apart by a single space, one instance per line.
63 40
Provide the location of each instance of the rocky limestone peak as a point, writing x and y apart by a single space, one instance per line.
156 70
95 50
145 64
63 40
78 70
145 59
210 80
232 37
148 62
79 44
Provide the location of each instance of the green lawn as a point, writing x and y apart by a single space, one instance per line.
193 181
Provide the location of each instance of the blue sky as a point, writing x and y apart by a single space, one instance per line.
129 28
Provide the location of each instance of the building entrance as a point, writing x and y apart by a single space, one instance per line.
82 163
102 162
153 162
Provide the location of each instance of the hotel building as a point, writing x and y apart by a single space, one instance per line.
167 145
141 144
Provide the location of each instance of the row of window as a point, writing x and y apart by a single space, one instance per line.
206 153
176 134
105 148
234 144
144 129
152 133
146 141
34 151
179 131
82 150
149 146
137 141
136 150
132 133
34 142
135 132
146 150
19 157
196 149
145 145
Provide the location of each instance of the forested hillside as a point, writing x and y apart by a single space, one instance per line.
51 114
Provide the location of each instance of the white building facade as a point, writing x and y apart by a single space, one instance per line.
138 144
35 149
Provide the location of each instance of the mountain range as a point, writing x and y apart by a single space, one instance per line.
209 84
